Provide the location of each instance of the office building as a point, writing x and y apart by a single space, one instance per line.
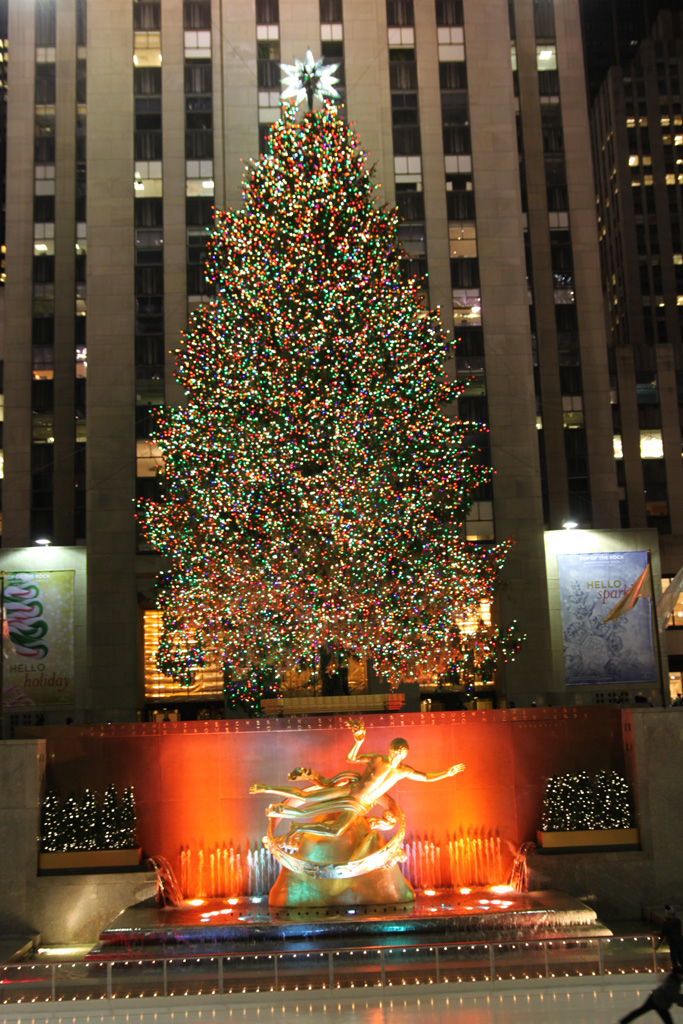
128 120
638 155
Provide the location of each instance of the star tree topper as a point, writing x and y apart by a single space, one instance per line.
309 79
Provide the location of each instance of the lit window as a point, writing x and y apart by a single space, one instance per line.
633 161
148 181
678 259
473 621
44 239
670 179
456 52
147 52
675 619
616 447
149 459
462 240
480 527
651 446
402 36
546 58
466 308
199 180
513 55
267 32
197 45
202 683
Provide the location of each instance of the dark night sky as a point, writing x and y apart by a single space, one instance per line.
612 30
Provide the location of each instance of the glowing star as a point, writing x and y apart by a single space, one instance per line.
309 78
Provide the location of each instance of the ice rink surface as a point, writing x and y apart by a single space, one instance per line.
560 1002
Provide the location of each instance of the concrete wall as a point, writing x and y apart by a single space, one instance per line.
22 770
60 909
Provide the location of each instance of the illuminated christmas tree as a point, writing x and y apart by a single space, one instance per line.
51 829
89 821
315 490
612 801
108 833
128 821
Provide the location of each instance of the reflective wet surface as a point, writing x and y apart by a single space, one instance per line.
559 1003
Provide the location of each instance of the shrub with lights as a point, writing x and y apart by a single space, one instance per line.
576 801
612 801
51 824
315 490
89 824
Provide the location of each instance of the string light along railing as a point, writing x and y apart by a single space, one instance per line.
513 960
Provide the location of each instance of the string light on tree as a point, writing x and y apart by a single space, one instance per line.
315 491
577 801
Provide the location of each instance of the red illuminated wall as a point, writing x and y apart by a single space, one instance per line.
191 779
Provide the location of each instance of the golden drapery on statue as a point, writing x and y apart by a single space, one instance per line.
333 852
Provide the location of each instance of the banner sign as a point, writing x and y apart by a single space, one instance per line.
38 639
606 606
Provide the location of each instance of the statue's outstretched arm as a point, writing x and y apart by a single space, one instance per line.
418 776
284 791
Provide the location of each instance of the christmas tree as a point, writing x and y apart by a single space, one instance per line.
71 824
108 832
51 824
612 802
89 821
128 821
315 490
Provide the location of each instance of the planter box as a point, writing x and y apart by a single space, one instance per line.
89 860
596 839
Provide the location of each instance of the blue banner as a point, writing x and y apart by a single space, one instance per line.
593 587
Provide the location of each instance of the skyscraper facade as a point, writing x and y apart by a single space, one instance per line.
638 156
129 120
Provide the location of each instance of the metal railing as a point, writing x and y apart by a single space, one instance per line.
341 968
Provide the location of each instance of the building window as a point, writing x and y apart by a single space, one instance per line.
449 12
400 13
267 12
330 12
146 16
546 57
197 14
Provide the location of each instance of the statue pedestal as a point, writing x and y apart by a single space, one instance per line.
335 853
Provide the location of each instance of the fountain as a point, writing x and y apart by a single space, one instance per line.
475 859
333 875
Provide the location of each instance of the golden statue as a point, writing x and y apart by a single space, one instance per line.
333 838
